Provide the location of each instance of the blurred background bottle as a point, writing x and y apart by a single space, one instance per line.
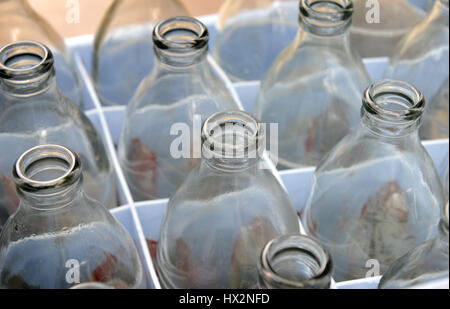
123 47
19 22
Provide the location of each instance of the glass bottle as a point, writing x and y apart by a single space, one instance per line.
313 88
34 112
59 237
181 88
19 22
230 202
421 59
379 25
250 34
380 184
425 263
123 46
294 262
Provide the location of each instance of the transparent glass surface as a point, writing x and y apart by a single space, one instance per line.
123 48
18 22
379 184
423 264
444 175
294 262
421 58
250 34
313 89
59 238
181 88
225 212
378 25
33 111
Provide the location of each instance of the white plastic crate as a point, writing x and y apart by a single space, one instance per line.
143 220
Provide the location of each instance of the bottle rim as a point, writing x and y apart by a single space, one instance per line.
36 160
247 132
15 54
394 101
306 246
326 17
181 34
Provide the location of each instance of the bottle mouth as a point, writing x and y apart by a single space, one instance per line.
326 17
394 101
24 60
46 167
296 262
232 135
180 36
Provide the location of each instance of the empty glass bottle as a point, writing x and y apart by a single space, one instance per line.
379 184
123 46
425 263
378 25
228 208
421 59
59 237
250 34
314 88
19 22
34 112
181 88
294 262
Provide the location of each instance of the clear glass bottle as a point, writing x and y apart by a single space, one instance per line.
34 112
123 46
378 25
250 34
314 88
421 59
423 264
181 88
380 184
19 22
230 202
59 237
294 262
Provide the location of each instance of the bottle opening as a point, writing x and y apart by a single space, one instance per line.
46 167
180 36
295 262
326 17
232 135
394 101
24 60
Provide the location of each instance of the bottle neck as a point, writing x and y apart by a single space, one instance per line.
326 18
48 177
26 69
180 43
294 262
232 141
392 109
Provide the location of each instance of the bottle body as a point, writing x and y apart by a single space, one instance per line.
173 95
313 89
426 263
234 206
58 237
123 46
422 59
381 185
251 34
19 22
